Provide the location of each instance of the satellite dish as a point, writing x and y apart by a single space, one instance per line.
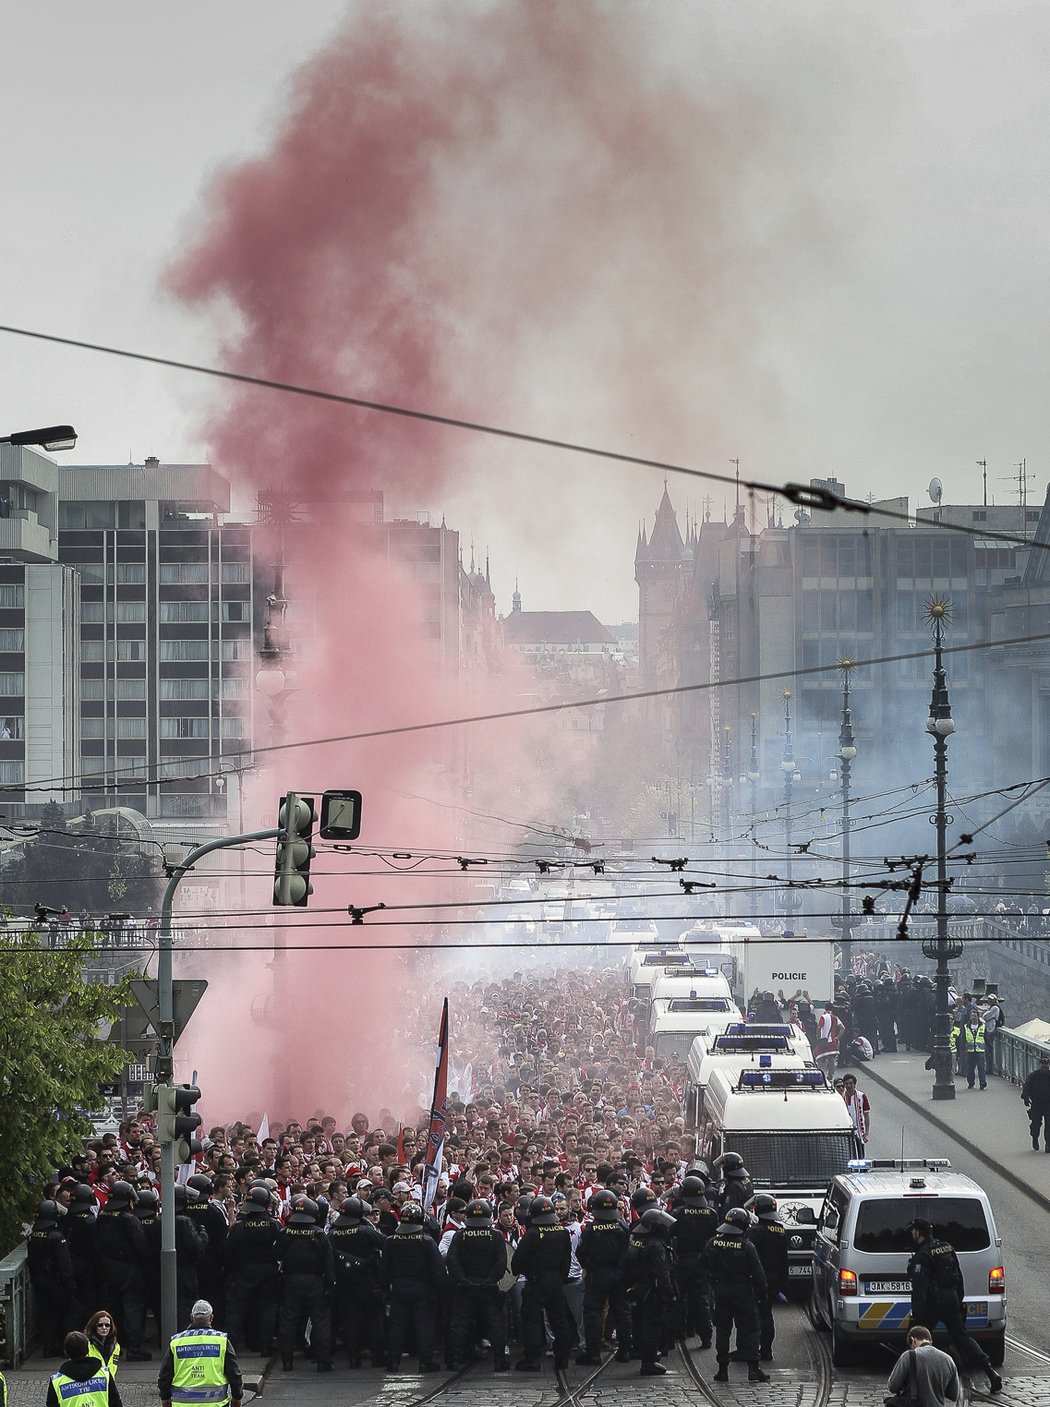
936 490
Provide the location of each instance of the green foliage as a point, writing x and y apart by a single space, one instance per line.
51 1064
92 867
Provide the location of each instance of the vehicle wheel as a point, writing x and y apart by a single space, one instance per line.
843 1350
996 1348
813 1309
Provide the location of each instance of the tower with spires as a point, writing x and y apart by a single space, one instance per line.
660 569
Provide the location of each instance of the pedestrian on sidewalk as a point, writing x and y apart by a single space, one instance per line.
924 1372
1036 1095
973 1045
829 1034
858 1106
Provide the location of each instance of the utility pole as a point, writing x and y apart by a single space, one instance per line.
940 725
788 767
847 752
753 777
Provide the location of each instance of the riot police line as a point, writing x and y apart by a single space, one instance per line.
708 1259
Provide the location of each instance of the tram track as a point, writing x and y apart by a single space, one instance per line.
571 1394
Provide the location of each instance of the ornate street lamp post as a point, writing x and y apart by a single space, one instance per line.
940 725
847 752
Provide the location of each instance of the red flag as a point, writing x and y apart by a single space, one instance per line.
400 1143
436 1133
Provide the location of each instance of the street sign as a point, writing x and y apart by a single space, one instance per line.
186 993
340 815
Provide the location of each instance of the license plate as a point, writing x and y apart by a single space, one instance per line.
889 1287
799 1270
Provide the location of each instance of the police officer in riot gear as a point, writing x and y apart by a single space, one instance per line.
736 1189
357 1247
51 1274
250 1258
191 1242
696 1221
210 1217
738 1287
544 1257
937 1294
122 1245
304 1253
769 1239
81 1232
476 1263
414 1274
647 1272
601 1252
147 1209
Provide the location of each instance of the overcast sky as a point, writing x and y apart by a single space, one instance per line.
871 303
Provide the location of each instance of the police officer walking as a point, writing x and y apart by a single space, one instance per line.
122 1245
647 1272
191 1242
937 1293
738 1287
80 1228
476 1263
769 1239
601 1252
304 1253
544 1257
250 1258
210 1217
414 1274
51 1275
696 1221
1036 1095
200 1365
357 1248
147 1210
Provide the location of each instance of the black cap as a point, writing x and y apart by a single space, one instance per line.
920 1223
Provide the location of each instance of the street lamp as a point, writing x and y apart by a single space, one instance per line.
790 775
940 725
51 437
727 807
847 752
753 775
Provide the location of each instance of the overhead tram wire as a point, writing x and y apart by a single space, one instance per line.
806 496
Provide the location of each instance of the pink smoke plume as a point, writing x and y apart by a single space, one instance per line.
462 207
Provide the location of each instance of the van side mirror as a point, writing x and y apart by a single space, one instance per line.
806 1216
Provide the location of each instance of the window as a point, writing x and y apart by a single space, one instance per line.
12 682
92 727
131 689
131 651
131 727
238 649
93 689
12 596
12 640
93 612
184 573
14 771
235 610
195 805
233 727
92 572
185 689
882 1223
182 650
184 612
131 612
93 516
11 727
235 688
184 727
235 573
131 573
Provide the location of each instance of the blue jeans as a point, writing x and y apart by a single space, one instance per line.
976 1064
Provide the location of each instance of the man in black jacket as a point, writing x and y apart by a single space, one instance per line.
80 1375
250 1258
647 1273
476 1263
937 1294
738 1287
307 1277
696 1221
414 1274
357 1247
51 1275
601 1252
769 1239
122 1245
544 1257
1036 1095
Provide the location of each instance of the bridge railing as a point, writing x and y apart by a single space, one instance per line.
16 1308
1016 1056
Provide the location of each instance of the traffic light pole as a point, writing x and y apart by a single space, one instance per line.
165 1072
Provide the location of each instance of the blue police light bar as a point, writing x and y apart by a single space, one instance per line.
858 1165
759 1028
766 1062
752 1044
783 1079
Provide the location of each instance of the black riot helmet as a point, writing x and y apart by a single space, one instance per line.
641 1198
354 1209
763 1205
731 1163
693 1191
47 1213
412 1214
83 1199
148 1201
603 1206
260 1197
305 1208
478 1214
185 1196
738 1219
656 1221
200 1182
542 1213
121 1194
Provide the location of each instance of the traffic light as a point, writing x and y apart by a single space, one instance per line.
177 1120
291 886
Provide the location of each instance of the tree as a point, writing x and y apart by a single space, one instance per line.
51 1063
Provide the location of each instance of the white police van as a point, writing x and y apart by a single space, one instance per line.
741 1046
861 1289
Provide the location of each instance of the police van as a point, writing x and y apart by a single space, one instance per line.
739 1047
646 961
675 1022
794 1134
861 1289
